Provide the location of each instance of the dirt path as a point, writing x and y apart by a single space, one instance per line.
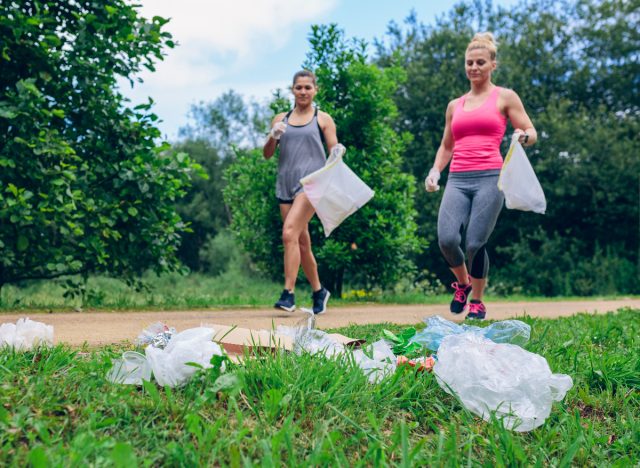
98 328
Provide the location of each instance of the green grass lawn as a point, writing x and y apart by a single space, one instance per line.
177 292
57 409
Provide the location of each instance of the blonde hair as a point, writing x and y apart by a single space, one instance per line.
484 40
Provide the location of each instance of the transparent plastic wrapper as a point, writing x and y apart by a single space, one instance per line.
382 363
170 365
486 376
312 341
335 192
25 334
505 331
157 334
518 181
132 369
308 339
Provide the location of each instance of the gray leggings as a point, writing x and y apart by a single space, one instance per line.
471 203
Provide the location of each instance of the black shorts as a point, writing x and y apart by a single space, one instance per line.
284 202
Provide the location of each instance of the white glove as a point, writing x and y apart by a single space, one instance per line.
431 182
278 130
337 150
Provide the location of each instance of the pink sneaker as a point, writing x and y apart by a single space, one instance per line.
477 310
460 296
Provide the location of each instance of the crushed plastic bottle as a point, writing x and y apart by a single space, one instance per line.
497 377
505 331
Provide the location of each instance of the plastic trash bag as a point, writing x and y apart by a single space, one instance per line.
25 334
309 340
335 192
382 363
170 365
132 369
518 181
486 376
505 331
312 341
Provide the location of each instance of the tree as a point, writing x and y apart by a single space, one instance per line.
215 130
83 185
373 246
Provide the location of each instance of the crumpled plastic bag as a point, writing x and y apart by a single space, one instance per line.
312 341
382 363
170 365
505 331
132 369
25 334
486 376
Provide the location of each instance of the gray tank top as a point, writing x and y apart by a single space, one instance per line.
301 153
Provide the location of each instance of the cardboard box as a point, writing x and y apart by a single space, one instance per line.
235 339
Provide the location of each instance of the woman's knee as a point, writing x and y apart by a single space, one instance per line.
474 248
290 234
448 244
305 242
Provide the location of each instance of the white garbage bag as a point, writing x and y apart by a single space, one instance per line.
335 192
517 384
25 334
132 369
170 365
518 181
382 363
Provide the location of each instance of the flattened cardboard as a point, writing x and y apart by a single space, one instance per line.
235 339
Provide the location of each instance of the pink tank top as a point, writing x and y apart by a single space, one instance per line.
477 135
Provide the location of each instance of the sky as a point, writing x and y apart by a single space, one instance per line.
251 46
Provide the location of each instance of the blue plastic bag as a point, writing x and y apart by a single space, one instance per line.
506 331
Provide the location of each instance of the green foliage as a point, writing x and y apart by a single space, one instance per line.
56 408
215 130
373 245
83 185
575 66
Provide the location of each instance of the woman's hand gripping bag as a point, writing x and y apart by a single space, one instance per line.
519 183
335 191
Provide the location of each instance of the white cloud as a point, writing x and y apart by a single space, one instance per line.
217 38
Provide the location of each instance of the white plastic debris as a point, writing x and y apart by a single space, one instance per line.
172 358
306 339
25 334
517 384
132 369
382 363
172 366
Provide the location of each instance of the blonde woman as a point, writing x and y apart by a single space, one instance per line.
474 128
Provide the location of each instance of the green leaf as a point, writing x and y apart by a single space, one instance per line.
123 455
133 212
38 458
22 243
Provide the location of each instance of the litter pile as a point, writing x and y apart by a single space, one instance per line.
25 335
171 357
486 368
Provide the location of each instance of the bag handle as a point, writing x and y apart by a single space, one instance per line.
333 157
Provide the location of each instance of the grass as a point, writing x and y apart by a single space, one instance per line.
194 291
57 409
